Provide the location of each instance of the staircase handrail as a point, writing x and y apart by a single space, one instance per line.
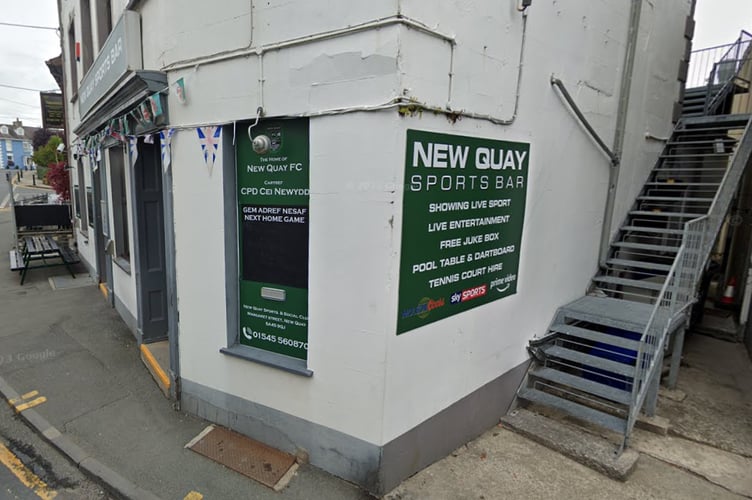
736 56
646 360
679 289
702 62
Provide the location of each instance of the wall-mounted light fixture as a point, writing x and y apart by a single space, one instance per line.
261 143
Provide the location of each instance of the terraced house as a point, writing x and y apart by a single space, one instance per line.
363 231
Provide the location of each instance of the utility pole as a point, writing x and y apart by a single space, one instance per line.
9 178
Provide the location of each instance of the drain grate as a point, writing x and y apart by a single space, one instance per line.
267 465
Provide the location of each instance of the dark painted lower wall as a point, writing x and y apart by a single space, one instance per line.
378 469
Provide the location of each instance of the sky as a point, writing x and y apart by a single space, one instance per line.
22 55
24 50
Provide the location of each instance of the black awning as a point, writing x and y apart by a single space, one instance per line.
134 88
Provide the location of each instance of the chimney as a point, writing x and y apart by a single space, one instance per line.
17 123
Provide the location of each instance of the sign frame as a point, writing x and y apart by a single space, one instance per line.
463 213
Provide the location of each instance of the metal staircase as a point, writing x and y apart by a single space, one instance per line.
601 358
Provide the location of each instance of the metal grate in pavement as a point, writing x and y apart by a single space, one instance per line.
251 458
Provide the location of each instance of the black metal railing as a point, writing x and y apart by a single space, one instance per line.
717 65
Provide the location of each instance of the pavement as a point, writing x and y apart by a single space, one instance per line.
28 180
104 411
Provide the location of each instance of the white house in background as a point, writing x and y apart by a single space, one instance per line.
393 202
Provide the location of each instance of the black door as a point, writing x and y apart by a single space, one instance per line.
150 244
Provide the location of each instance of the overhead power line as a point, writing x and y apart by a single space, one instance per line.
19 102
15 25
24 88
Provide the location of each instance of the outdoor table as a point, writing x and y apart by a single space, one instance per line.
46 249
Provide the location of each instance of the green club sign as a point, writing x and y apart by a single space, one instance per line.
462 217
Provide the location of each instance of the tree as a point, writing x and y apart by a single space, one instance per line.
41 137
59 178
47 155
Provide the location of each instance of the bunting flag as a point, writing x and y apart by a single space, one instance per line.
166 139
116 134
209 139
155 103
180 90
133 146
146 113
149 139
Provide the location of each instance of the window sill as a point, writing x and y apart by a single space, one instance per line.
272 359
123 264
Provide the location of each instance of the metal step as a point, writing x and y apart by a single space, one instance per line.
588 360
613 280
639 264
645 246
715 122
582 384
604 338
710 142
653 230
682 184
623 314
675 198
695 155
575 409
684 215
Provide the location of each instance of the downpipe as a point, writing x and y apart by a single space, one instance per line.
619 132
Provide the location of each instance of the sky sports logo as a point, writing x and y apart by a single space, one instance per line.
468 294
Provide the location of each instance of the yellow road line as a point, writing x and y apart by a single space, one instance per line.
30 404
27 478
155 366
194 495
28 395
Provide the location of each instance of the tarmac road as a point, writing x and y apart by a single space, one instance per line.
31 469
20 192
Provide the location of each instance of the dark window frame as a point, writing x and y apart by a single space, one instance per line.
87 40
120 205
81 197
72 63
104 20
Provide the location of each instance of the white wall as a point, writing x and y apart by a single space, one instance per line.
353 309
654 90
368 382
583 44
85 239
350 310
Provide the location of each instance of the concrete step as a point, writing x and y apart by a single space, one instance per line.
580 446
156 357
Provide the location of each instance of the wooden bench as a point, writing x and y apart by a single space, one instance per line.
46 249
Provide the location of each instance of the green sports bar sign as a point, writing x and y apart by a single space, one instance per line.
462 217
273 192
